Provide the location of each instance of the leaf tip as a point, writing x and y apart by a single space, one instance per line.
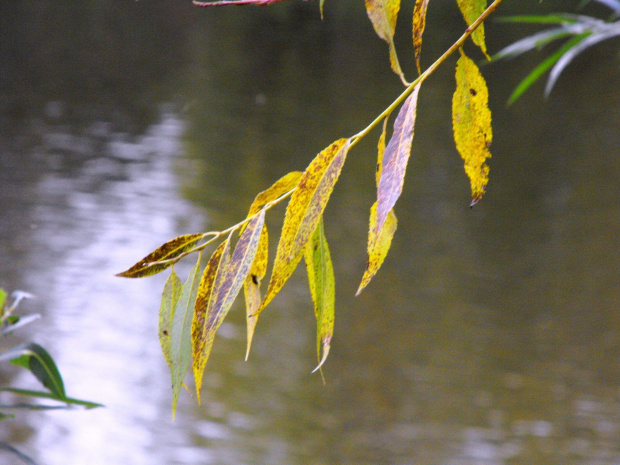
325 353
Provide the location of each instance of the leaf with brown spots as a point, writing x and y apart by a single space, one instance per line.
251 287
471 10
170 296
419 24
304 212
150 265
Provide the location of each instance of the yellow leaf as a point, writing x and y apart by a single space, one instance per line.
472 9
381 150
251 287
322 288
383 15
378 245
419 24
471 121
281 186
304 212
172 249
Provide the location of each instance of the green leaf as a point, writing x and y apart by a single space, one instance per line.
172 249
169 299
35 358
322 288
304 212
471 122
419 24
180 334
15 322
2 301
383 15
218 261
472 10
46 395
395 158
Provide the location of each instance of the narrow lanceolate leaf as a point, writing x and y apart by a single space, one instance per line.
304 212
251 286
419 24
218 260
280 187
228 282
172 249
181 333
472 9
383 15
395 160
471 121
381 151
36 359
170 297
378 244
322 288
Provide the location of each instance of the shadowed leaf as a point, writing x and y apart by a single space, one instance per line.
148 265
181 334
472 9
304 212
471 121
383 15
251 286
322 288
170 296
35 358
395 160
419 24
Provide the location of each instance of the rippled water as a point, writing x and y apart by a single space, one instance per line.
490 336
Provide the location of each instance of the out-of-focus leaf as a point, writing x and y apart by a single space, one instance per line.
23 457
322 288
472 9
378 245
540 19
383 15
251 286
304 212
228 281
471 122
2 301
395 160
18 323
537 72
46 395
149 265
181 334
36 359
535 41
169 299
419 24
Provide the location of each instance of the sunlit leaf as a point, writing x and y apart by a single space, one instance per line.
383 15
172 249
395 160
471 122
419 24
251 287
280 187
472 9
36 359
181 334
228 282
218 261
322 288
378 245
170 296
304 212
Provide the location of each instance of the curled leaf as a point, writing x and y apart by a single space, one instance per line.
304 212
419 24
150 265
322 288
471 121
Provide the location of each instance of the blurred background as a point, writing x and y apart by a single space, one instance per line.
490 336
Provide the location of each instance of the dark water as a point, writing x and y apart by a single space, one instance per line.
490 336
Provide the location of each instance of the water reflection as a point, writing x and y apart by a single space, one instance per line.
489 337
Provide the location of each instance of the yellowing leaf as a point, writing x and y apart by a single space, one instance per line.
304 212
251 287
180 333
472 9
381 150
322 288
471 121
148 265
218 260
395 160
170 296
378 245
383 15
419 24
281 186
227 283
